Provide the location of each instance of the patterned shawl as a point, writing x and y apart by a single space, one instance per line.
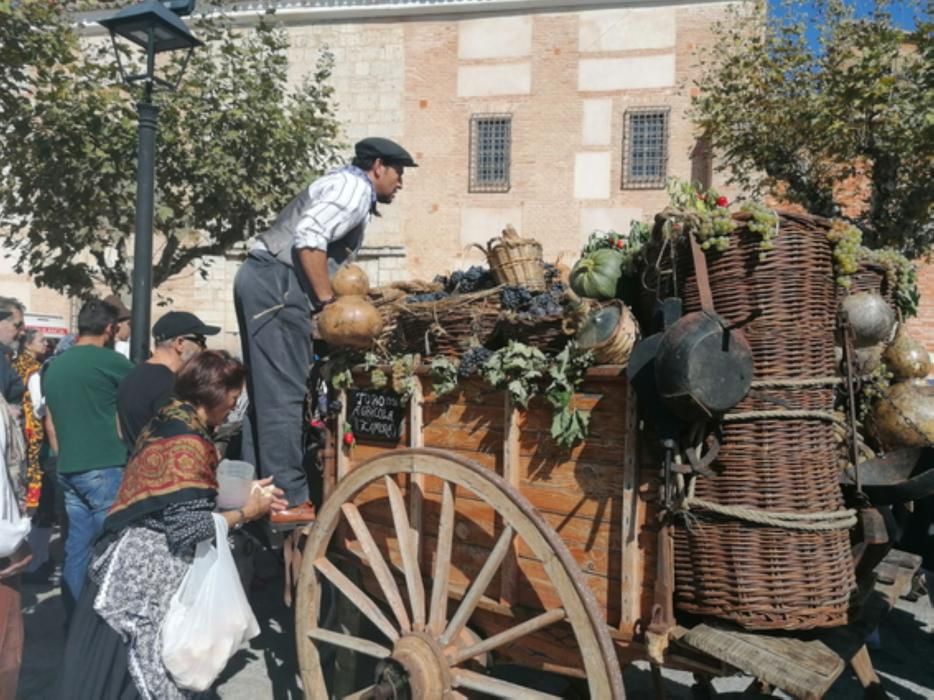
174 461
26 365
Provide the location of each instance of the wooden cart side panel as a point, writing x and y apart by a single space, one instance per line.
594 495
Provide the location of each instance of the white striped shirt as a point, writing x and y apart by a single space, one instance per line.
342 200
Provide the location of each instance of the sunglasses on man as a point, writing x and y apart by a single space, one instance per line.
199 340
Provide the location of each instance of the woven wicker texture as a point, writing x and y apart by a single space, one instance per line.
764 577
548 333
448 326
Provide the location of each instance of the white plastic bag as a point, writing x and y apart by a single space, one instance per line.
209 616
13 525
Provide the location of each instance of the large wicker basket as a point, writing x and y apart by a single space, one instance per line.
778 452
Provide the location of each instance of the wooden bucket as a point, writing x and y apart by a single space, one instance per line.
616 347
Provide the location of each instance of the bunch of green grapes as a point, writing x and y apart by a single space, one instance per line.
847 251
764 222
901 276
873 388
714 228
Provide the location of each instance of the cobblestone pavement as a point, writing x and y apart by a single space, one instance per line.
267 668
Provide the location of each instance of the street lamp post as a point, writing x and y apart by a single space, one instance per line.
155 27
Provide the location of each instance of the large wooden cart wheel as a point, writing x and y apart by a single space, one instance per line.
428 654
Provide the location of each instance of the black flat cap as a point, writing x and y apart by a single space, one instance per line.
178 323
388 151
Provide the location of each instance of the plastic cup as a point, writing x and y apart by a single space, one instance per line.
234 481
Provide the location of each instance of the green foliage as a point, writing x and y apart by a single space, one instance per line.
700 211
568 425
807 125
342 379
517 368
404 381
443 375
521 370
378 378
234 145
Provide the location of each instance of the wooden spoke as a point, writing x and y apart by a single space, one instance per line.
471 680
364 694
384 577
478 587
356 596
413 577
362 646
509 635
439 588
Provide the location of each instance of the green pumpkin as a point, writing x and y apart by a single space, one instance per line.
597 274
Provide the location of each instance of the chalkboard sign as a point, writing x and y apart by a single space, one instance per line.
375 415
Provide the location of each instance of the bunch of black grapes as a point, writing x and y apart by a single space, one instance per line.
466 281
528 305
515 298
542 305
472 360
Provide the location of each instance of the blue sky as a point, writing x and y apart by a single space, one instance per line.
902 13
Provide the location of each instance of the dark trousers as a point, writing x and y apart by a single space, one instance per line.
274 317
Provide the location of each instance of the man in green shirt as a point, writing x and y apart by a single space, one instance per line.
81 400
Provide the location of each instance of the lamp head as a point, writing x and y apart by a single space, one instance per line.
169 33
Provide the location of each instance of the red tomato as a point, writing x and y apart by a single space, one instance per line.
722 201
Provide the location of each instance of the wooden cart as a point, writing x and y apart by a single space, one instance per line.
476 540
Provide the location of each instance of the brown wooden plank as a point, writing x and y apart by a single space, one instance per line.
803 669
535 591
595 544
509 579
634 562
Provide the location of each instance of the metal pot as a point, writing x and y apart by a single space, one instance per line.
703 367
870 317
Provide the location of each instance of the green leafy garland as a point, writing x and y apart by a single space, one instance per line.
520 369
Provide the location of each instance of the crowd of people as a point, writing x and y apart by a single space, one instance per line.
123 457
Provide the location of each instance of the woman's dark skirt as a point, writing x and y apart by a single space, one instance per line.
95 666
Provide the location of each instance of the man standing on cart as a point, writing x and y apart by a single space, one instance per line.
284 281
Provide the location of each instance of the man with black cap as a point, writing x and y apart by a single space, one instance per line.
122 333
283 282
177 337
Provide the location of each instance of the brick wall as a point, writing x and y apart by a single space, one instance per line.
922 327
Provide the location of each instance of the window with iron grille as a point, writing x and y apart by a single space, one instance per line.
645 148
490 146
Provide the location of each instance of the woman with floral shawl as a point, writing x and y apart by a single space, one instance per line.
163 509
27 365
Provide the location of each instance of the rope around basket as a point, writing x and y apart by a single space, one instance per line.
763 415
779 383
811 522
